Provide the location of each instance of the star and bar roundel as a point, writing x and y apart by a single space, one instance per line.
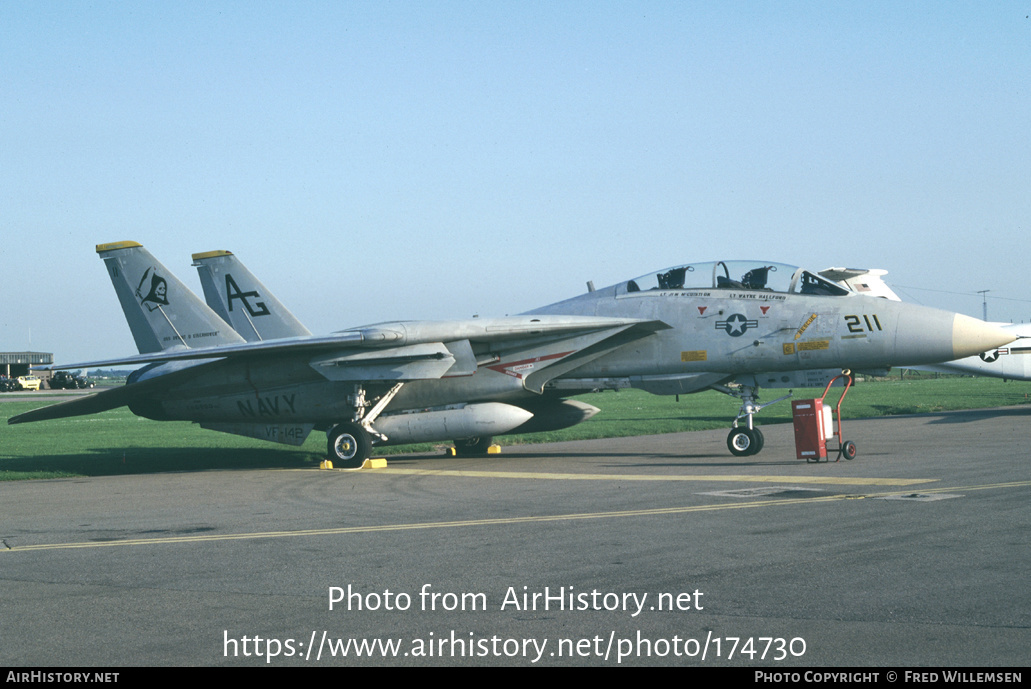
736 325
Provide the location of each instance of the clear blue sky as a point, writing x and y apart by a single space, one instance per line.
383 160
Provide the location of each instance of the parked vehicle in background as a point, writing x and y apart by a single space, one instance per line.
63 380
28 383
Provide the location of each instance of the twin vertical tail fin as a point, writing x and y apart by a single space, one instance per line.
862 281
235 294
162 312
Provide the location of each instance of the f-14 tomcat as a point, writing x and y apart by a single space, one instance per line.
241 364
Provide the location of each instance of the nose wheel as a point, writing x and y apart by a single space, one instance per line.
746 440
743 442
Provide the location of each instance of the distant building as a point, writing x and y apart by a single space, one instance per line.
14 364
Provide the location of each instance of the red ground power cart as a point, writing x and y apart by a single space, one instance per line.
814 425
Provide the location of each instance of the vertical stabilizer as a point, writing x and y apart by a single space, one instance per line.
241 300
162 312
862 281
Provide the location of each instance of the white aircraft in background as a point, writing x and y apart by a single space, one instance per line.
1012 362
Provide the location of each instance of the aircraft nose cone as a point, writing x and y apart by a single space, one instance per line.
971 336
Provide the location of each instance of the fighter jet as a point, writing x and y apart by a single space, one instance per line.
733 326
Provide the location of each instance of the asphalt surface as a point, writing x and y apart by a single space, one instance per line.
914 554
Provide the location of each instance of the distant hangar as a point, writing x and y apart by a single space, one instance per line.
14 364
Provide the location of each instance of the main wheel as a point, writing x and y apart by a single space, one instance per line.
473 447
848 449
743 442
348 445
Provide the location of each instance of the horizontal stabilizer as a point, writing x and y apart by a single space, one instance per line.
292 346
91 404
112 398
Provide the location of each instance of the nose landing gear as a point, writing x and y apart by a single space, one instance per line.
745 441
748 440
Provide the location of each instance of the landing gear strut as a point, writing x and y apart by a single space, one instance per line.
349 443
749 440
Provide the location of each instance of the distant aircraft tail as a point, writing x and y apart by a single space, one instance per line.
862 281
241 300
162 312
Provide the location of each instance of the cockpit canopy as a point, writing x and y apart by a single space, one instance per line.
737 275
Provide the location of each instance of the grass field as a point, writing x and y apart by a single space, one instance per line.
117 442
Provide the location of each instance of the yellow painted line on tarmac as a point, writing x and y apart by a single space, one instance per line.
429 525
661 511
956 489
711 478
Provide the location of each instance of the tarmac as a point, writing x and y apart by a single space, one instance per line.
656 550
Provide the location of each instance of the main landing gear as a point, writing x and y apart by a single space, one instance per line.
349 443
473 447
748 440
